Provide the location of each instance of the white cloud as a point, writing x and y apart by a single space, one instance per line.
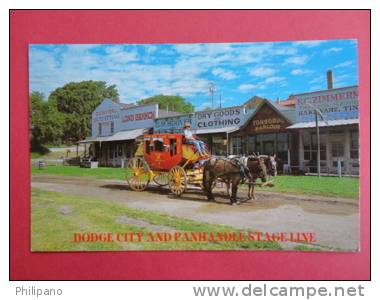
262 72
318 80
332 50
309 44
246 87
297 60
347 63
275 79
301 72
262 85
224 74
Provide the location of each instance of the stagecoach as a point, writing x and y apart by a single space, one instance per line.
165 159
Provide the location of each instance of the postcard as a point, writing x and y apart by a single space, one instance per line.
208 146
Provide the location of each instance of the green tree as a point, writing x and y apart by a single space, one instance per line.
76 101
46 123
172 103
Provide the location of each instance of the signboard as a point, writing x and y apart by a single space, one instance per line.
266 120
172 124
137 117
105 118
270 124
109 118
211 119
334 104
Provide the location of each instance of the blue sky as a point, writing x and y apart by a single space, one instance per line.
239 70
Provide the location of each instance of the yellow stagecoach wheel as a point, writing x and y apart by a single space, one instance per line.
177 180
161 179
137 173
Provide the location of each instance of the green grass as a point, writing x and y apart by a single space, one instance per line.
53 231
99 173
323 186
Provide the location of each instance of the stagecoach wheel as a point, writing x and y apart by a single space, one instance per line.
161 179
177 180
137 173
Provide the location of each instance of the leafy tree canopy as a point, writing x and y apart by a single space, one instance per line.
76 101
46 123
82 97
172 103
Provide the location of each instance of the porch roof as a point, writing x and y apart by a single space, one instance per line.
118 136
324 124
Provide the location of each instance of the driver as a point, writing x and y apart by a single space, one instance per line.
191 139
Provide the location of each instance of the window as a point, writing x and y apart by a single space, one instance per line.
147 147
282 146
310 146
218 145
173 147
337 149
251 144
112 127
258 144
99 128
354 144
236 145
159 145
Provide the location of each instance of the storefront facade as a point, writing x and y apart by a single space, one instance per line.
116 128
265 132
339 130
211 126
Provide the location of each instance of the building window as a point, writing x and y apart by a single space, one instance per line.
282 146
218 145
354 144
337 149
251 145
112 127
310 146
99 128
236 145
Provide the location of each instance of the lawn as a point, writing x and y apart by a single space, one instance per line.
99 173
57 216
323 186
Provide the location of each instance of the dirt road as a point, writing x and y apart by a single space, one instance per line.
335 221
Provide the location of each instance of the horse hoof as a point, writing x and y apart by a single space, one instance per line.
234 204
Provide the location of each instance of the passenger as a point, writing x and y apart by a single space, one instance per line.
191 139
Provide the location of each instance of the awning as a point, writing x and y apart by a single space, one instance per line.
216 130
126 135
324 124
92 140
118 136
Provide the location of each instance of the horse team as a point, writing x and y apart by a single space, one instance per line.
235 170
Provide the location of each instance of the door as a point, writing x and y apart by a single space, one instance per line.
337 152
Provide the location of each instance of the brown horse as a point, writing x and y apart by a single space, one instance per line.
226 171
257 168
271 164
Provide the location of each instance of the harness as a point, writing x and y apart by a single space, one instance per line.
241 162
